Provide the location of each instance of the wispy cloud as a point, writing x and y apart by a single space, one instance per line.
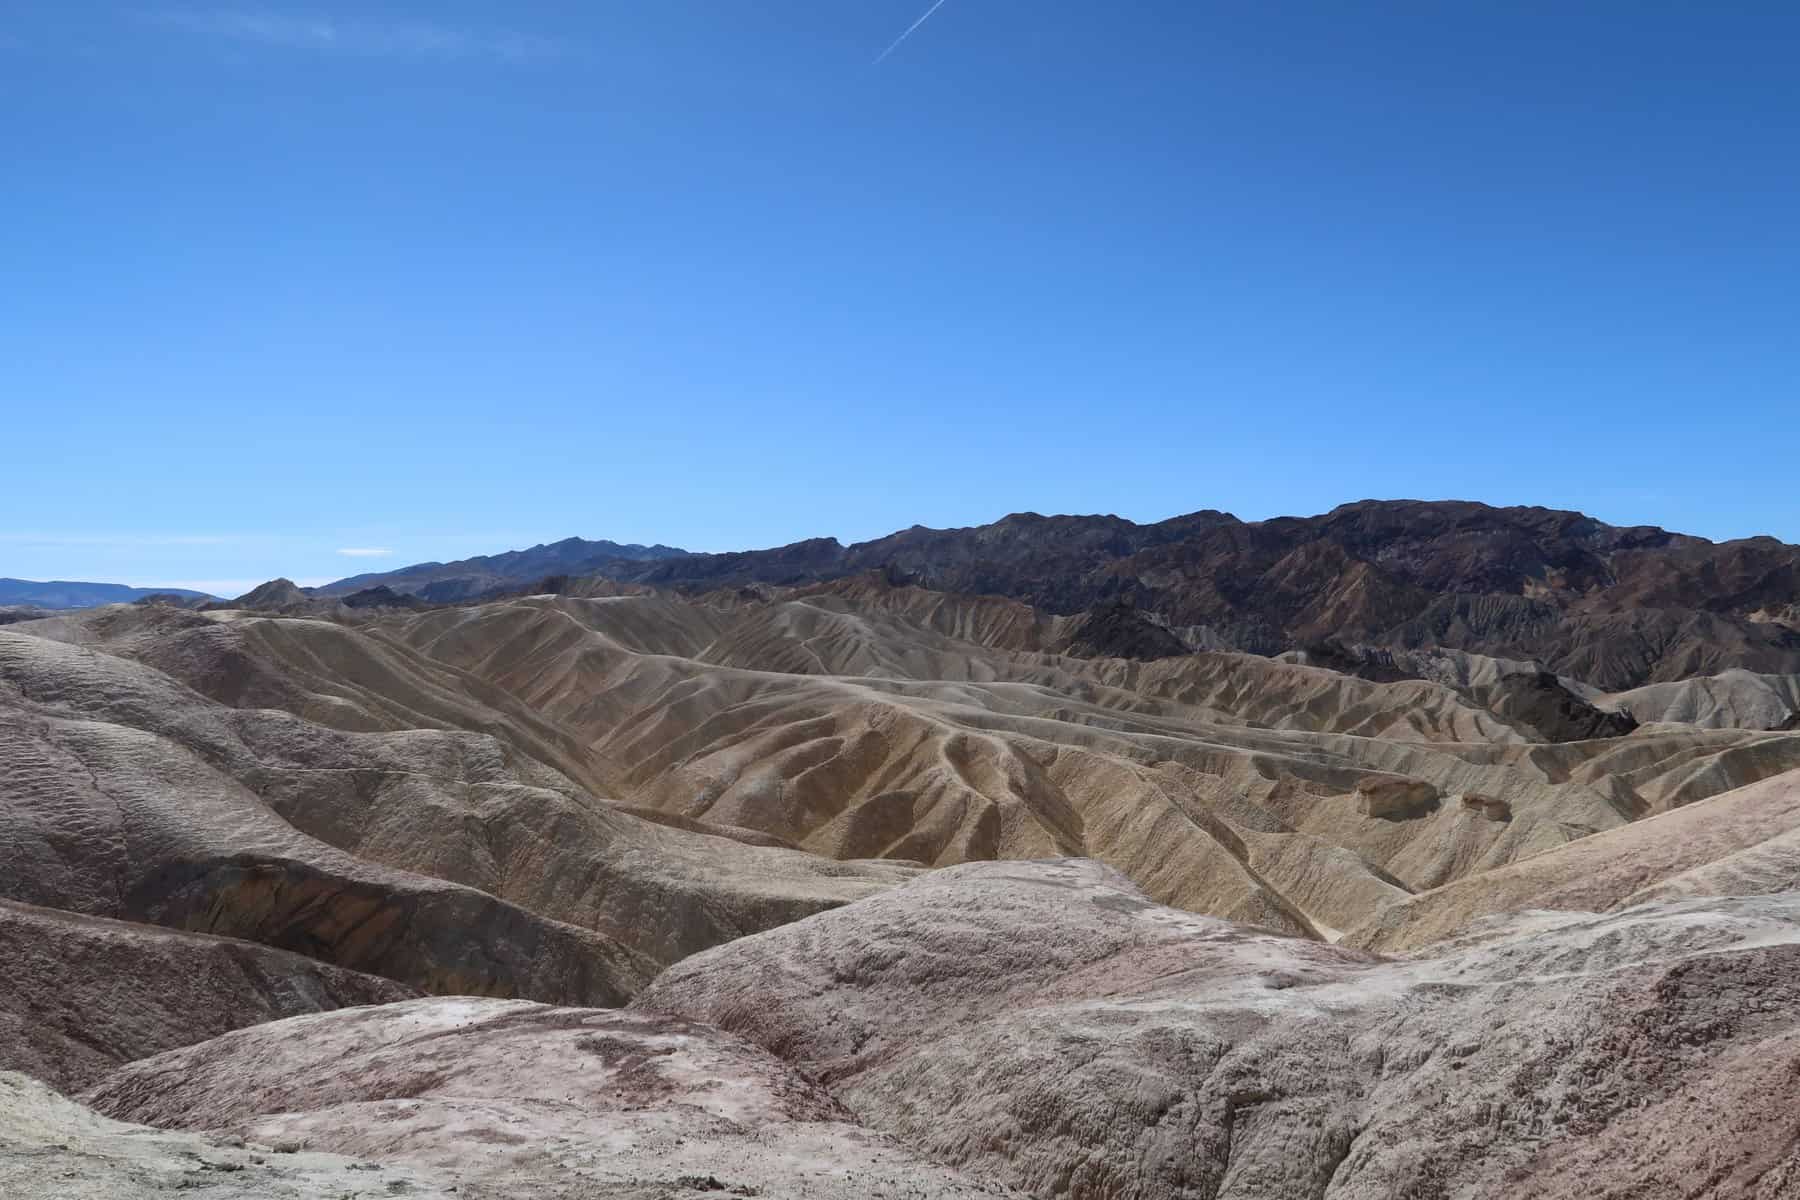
366 552
360 38
910 30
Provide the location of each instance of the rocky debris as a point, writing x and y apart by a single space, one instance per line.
81 995
518 1100
54 1149
1394 798
1045 1026
1490 807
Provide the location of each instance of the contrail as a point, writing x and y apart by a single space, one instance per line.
908 33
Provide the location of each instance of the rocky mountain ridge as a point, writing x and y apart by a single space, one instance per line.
1616 607
469 577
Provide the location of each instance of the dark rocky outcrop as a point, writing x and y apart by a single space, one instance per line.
1541 707
171 600
1120 631
382 597
1396 798
275 595
1373 663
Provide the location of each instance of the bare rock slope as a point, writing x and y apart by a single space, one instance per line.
501 1099
1046 1026
1743 842
81 995
52 1148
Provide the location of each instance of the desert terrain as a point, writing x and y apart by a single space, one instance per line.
1420 851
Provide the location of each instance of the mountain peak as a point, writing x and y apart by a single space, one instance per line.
276 593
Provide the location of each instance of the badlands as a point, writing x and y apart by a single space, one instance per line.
1417 852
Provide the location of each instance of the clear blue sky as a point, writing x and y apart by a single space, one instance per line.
280 280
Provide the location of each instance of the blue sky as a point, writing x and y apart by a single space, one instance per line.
283 281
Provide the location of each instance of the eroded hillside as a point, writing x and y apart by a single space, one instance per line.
322 876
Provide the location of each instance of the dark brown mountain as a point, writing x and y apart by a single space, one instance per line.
382 597
1613 606
1119 631
468 577
275 594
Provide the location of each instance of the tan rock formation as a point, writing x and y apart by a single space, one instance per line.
1044 1025
54 1149
510 1099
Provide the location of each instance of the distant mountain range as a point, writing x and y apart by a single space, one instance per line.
1617 606
62 593
468 577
